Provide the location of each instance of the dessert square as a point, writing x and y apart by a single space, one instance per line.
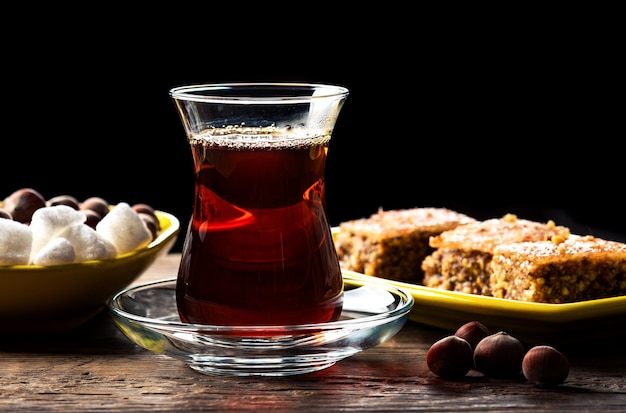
559 271
392 244
461 257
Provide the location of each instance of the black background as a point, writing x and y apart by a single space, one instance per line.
485 117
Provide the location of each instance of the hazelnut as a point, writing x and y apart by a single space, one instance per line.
92 217
97 204
499 355
5 214
450 357
68 200
473 332
151 222
545 366
22 203
147 209
143 208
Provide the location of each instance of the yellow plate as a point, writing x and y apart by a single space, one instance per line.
59 298
531 322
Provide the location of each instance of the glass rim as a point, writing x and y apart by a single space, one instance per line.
257 92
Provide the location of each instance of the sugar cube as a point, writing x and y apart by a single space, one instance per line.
49 222
57 251
15 242
88 243
124 228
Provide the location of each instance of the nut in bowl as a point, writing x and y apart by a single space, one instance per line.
59 297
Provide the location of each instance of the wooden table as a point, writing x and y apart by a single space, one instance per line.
96 368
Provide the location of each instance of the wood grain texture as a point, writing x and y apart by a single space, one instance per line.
96 368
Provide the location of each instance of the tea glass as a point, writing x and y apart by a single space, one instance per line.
259 249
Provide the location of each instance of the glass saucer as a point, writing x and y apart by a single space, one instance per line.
374 311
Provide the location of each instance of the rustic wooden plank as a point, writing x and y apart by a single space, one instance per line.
97 369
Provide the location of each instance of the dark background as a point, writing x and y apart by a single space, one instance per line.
485 118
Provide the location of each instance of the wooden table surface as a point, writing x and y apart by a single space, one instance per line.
96 368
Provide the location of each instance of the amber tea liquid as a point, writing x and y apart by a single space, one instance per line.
259 249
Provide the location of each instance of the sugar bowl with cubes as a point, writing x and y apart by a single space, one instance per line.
61 258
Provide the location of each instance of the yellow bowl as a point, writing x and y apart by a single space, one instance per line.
57 298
